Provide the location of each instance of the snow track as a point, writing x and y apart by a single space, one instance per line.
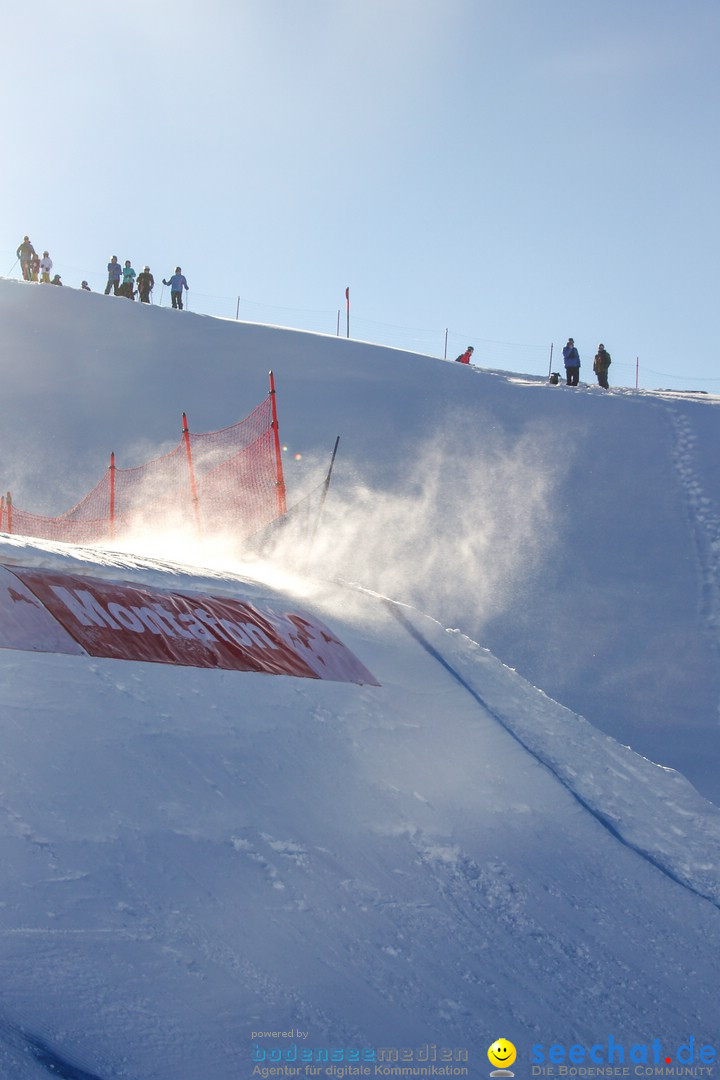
674 807
704 516
53 1063
24 1053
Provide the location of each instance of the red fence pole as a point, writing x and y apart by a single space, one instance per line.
280 482
112 495
2 511
8 503
193 489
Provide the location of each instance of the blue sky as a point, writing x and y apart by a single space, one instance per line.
513 171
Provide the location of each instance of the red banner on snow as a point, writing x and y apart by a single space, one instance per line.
133 622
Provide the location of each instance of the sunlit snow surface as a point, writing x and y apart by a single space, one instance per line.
191 856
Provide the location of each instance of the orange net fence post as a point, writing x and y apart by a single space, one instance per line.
112 495
235 474
193 488
282 507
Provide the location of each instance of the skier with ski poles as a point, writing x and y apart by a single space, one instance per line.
128 281
45 267
177 283
145 284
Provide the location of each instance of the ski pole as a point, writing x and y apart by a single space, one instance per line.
12 267
321 504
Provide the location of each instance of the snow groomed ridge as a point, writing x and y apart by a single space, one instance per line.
675 793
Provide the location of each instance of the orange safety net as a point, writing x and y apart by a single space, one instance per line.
229 479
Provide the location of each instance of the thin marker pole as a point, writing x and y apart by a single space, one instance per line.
323 497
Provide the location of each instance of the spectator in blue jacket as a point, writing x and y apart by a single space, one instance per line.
114 274
177 283
572 363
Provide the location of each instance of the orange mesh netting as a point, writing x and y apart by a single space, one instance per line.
220 480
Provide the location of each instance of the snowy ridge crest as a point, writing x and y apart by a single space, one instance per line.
651 808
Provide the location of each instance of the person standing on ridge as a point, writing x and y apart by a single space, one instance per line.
600 366
114 270
45 267
34 266
145 284
572 363
128 281
177 282
464 358
25 253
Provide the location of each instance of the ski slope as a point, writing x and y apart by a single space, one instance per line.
195 858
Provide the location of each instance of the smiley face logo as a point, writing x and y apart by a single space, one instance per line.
502 1054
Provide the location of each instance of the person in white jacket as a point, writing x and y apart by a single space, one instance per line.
45 267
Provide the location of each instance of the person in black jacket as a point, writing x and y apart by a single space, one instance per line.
25 253
145 284
600 366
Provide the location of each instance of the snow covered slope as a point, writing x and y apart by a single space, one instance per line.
574 532
194 858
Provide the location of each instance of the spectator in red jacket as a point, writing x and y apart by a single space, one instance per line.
464 358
